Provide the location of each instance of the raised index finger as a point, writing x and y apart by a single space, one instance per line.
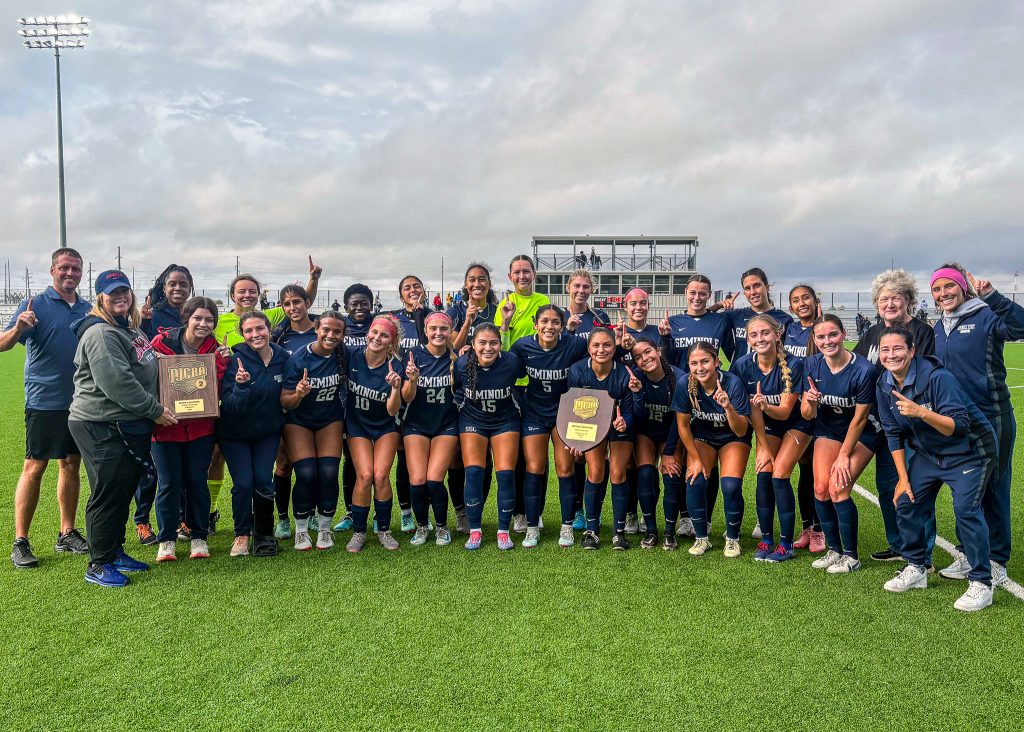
811 382
305 374
28 306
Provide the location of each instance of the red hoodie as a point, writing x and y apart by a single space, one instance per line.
168 341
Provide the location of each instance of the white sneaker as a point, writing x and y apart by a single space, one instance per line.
420 537
830 558
166 552
977 597
684 527
565 537
844 566
700 546
959 569
910 577
324 537
756 533
641 524
442 536
732 548
302 541
532 537
519 523
999 576
387 541
632 525
240 547
200 549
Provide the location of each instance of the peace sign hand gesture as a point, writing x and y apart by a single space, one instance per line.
411 369
27 319
304 387
908 408
393 379
635 384
223 350
241 376
663 327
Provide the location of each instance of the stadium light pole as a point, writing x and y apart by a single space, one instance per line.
56 32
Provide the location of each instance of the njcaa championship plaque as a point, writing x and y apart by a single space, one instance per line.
584 417
188 385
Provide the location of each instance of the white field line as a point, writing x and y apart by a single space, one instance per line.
1010 586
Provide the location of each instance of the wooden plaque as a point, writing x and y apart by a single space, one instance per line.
584 417
188 385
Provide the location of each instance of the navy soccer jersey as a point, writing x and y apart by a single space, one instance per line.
433 408
457 313
616 383
291 340
366 410
588 321
840 395
323 403
492 403
712 328
355 333
773 387
739 317
648 331
708 421
408 332
656 419
548 372
797 338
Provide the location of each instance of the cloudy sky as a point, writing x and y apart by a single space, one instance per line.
818 140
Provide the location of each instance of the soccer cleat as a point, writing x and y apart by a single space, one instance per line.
214 518
124 563
408 523
461 522
579 522
324 538
910 577
700 545
314 523
641 524
804 540
977 597
565 536
818 544
420 537
532 537
650 541
732 548
504 541
999 576
357 542
166 552
302 541
619 541
71 541
632 525
670 544
830 558
145 534
756 533
519 523
844 566
886 555
240 546
763 551
105 575
345 524
442 536
283 529
21 554
183 533
200 549
959 569
781 554
476 538
684 527
387 540
590 540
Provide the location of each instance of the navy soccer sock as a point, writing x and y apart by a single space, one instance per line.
567 499
474 493
532 484
282 494
846 511
304 496
647 495
327 469
805 494
382 513
786 506
732 499
506 497
620 505
438 501
360 515
696 499
579 478
420 498
829 524
764 501
670 502
593 497
457 487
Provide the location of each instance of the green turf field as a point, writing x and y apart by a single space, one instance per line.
439 638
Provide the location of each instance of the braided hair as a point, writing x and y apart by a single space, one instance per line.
472 362
691 381
780 352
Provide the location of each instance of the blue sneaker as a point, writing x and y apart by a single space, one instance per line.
580 522
781 554
124 563
345 524
763 551
105 575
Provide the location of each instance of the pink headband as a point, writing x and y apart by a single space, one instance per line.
949 273
387 325
435 315
636 289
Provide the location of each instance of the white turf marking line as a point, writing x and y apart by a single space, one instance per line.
1010 586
